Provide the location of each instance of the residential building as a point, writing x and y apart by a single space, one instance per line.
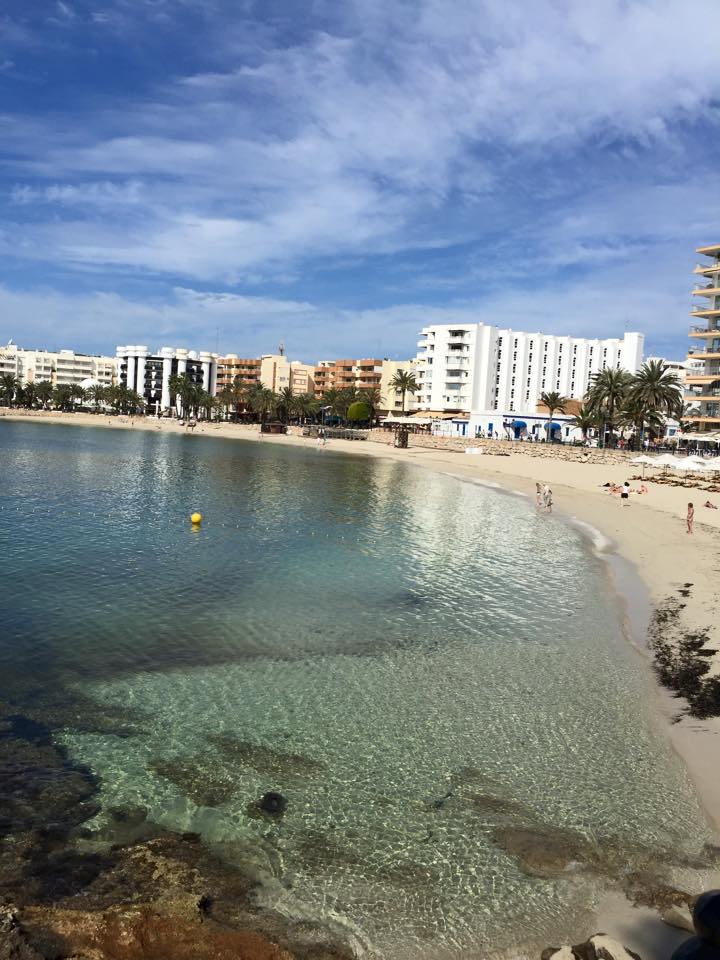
60 367
392 401
277 373
488 377
704 385
232 366
340 374
149 374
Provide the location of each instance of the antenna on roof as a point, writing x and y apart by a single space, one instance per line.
281 348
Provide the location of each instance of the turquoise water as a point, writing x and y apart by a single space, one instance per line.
411 660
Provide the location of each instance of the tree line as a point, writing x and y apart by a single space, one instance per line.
617 401
241 399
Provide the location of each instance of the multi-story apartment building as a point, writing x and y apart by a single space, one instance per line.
149 374
491 377
392 402
340 374
61 367
232 366
277 373
704 385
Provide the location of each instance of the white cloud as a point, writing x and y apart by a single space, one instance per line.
360 141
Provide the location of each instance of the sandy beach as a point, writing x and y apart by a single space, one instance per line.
678 571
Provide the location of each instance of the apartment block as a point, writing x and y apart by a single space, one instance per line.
704 384
61 367
231 366
490 376
149 374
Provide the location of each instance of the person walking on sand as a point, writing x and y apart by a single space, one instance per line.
547 499
625 493
690 518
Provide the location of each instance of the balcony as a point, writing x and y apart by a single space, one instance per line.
707 290
707 268
456 378
459 358
701 418
709 331
711 352
705 312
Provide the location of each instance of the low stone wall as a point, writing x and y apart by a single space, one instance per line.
555 451
503 448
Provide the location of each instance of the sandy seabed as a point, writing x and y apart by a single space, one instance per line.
650 537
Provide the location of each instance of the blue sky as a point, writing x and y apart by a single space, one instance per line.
337 174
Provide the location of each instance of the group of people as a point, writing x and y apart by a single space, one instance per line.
623 490
543 497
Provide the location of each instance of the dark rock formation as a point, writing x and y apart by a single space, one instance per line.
273 804
598 947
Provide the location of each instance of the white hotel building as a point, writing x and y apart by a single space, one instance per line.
149 374
491 378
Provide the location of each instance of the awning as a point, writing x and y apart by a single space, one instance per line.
519 424
554 425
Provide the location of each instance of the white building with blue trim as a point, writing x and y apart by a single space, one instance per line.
483 379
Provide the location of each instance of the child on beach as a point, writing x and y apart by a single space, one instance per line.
690 518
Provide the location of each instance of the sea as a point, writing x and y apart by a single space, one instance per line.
429 672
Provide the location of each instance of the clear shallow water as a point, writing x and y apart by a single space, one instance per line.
413 661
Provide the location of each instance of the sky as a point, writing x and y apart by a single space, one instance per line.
234 174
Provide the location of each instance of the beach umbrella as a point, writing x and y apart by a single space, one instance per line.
644 461
691 466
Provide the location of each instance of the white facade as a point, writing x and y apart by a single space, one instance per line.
491 375
479 367
60 367
149 374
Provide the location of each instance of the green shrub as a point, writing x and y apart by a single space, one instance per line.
359 411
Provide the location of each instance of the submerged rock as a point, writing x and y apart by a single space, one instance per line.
678 915
266 760
273 803
197 778
598 947
544 851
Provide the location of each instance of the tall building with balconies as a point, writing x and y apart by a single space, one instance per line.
703 386
149 374
490 377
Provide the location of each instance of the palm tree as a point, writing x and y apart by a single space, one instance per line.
43 392
585 419
306 406
608 389
9 384
97 394
261 400
406 383
285 404
29 395
62 397
638 414
657 387
184 388
554 401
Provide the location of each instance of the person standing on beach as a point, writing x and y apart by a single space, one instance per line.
538 495
690 518
547 499
625 493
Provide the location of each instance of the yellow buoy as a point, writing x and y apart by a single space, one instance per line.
196 519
